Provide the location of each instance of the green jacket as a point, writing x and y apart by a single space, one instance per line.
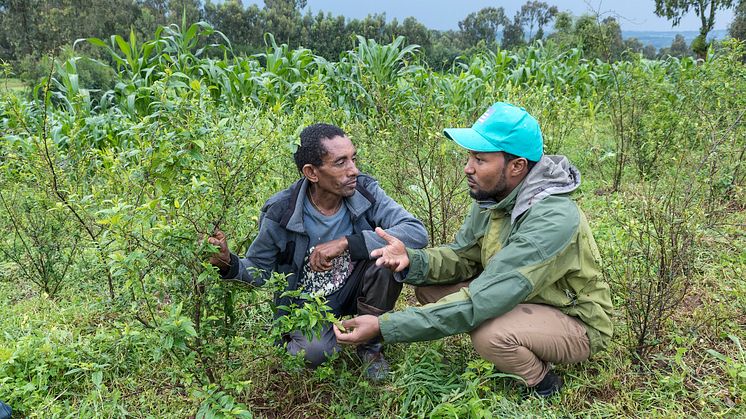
534 246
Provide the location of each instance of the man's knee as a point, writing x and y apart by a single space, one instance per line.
379 279
432 293
377 273
543 331
423 295
315 352
380 289
502 348
488 339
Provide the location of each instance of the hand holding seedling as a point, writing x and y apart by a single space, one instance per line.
357 330
393 255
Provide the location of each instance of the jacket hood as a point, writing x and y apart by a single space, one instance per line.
552 175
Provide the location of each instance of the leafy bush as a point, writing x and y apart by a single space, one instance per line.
34 225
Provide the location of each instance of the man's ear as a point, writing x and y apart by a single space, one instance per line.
519 166
310 172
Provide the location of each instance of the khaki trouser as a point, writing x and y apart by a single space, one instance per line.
523 340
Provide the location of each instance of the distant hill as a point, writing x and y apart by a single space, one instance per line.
662 39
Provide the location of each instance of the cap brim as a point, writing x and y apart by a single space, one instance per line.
470 139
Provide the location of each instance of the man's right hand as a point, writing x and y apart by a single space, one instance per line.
393 255
221 259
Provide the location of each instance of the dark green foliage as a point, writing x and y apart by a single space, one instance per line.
513 34
445 49
737 28
649 51
42 27
536 15
482 26
239 24
47 27
633 45
599 39
675 10
679 48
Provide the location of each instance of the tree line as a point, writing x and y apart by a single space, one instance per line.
34 28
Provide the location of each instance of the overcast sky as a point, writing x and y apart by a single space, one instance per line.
633 15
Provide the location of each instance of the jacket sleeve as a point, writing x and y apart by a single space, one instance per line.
392 217
524 265
452 263
261 258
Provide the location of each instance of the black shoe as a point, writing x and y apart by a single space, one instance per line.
376 367
549 386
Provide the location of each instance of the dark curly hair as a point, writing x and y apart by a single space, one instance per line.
310 150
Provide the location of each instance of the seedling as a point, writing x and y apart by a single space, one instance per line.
340 326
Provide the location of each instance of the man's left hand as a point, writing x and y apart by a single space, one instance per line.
359 330
323 254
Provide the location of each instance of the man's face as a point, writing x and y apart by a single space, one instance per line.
338 172
485 175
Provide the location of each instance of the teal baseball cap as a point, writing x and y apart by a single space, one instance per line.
503 127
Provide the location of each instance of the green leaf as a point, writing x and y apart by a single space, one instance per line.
168 342
97 42
717 355
188 328
123 45
97 377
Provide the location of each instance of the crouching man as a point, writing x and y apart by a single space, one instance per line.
320 232
522 277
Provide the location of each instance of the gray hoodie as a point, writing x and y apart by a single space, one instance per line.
552 175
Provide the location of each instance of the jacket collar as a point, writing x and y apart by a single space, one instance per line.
357 204
505 205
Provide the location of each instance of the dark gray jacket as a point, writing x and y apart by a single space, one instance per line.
282 241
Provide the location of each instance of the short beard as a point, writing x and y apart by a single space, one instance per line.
497 193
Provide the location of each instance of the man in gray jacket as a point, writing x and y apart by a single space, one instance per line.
320 232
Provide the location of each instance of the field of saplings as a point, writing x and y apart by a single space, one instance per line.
109 308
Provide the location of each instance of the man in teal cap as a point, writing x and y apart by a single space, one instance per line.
522 276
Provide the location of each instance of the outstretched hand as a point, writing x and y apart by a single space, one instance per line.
221 259
359 330
393 255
